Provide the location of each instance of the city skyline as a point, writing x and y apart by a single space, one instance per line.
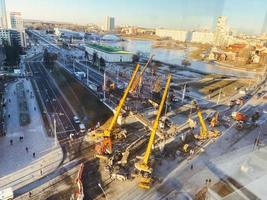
3 15
174 14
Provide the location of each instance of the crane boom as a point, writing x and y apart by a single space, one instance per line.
106 144
156 123
138 79
204 131
143 166
121 103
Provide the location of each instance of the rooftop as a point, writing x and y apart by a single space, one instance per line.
108 49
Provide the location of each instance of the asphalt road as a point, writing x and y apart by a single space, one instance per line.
54 101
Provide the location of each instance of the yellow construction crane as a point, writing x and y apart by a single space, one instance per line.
106 145
214 120
137 81
143 166
204 132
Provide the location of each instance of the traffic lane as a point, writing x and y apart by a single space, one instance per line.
63 124
63 127
59 102
47 99
48 103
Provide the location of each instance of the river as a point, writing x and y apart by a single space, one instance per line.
175 57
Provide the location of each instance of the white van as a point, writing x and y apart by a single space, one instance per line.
82 128
6 194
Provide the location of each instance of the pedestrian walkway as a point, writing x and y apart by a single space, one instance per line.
18 147
45 186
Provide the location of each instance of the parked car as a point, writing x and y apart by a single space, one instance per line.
259 95
82 128
76 119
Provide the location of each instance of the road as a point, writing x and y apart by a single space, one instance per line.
53 100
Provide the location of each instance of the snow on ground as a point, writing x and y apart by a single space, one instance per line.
15 157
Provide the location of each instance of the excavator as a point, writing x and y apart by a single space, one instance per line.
143 166
105 148
204 132
138 79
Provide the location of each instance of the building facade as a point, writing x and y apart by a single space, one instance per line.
5 36
221 35
109 54
109 24
202 37
16 21
3 16
178 35
12 36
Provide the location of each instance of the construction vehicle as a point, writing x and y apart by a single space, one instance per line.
255 116
186 148
214 120
240 101
238 116
240 125
138 80
153 103
144 167
244 122
105 148
204 132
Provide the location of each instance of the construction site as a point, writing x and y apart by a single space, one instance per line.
164 122
137 130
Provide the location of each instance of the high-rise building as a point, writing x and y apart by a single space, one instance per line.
221 35
5 36
11 36
109 24
264 25
3 17
16 21
179 35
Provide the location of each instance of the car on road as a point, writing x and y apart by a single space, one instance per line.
247 97
76 119
82 128
259 94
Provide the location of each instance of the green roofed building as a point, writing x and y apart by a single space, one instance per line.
108 53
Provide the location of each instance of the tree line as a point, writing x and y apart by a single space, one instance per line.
12 53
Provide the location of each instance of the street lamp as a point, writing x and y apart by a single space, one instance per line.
87 75
104 87
184 91
102 190
219 97
55 126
